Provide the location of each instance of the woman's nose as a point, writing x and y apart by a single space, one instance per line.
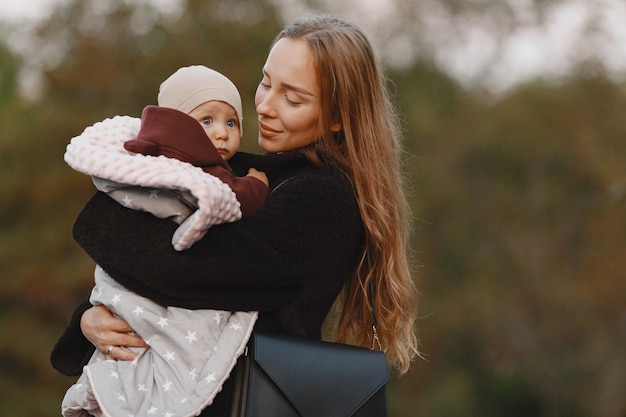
264 105
262 108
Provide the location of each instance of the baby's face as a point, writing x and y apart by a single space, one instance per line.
221 124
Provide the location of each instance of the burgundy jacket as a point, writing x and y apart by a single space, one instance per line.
175 134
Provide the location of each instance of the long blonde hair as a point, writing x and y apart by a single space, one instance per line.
368 151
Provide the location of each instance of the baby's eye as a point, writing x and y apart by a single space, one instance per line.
231 123
206 121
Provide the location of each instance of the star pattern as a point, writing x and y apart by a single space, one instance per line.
191 336
218 318
116 299
158 385
128 202
138 311
162 322
167 386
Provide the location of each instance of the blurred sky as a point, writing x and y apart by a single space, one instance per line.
476 56
25 10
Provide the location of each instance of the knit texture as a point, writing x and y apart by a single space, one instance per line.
288 262
98 151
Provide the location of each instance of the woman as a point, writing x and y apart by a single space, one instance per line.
336 220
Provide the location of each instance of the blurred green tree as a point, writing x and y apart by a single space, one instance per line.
522 214
519 204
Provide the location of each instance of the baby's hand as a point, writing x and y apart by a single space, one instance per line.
258 175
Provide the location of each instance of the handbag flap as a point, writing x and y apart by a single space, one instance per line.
343 377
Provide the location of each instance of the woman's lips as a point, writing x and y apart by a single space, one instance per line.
267 131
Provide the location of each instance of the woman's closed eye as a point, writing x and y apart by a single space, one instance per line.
265 84
292 102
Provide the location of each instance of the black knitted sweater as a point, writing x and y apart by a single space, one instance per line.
289 261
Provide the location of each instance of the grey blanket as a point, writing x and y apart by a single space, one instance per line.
192 353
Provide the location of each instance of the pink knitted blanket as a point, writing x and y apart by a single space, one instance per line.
99 152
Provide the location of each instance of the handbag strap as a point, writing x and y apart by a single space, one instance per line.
375 339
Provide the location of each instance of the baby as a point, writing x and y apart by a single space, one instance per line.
195 103
173 165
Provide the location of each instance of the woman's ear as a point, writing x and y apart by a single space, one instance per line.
337 127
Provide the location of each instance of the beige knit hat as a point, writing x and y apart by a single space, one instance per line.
191 86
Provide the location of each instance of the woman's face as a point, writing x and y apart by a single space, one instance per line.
288 98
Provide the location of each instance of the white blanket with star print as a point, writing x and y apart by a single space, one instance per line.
192 353
99 152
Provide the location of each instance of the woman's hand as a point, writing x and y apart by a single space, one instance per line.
110 335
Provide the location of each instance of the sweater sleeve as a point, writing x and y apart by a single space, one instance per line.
306 229
72 351
289 261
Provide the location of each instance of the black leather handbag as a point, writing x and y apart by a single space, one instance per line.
282 376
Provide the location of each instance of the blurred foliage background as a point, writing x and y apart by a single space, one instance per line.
519 197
